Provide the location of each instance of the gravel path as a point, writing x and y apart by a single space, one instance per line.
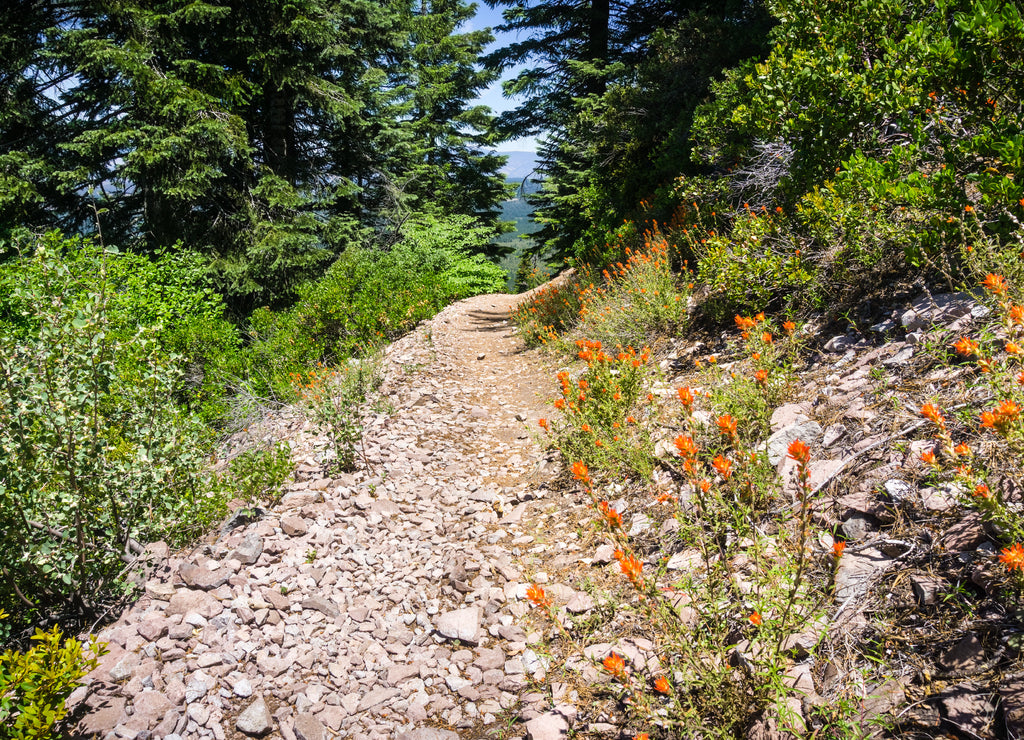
376 605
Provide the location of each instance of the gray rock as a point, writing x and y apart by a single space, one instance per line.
186 600
807 432
548 726
966 534
322 605
840 343
971 713
857 571
902 357
256 719
308 727
462 624
789 414
580 602
201 577
1011 691
857 527
293 526
640 524
150 707
250 549
966 657
375 698
429 733
947 307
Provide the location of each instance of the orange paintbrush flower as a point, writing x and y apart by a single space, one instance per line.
995 284
685 396
723 465
727 425
662 686
1013 557
931 412
537 596
615 665
686 446
965 347
632 567
799 451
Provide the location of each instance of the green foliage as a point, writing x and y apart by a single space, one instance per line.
257 475
332 399
35 683
97 458
266 137
369 296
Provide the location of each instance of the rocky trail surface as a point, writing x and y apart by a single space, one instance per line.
380 604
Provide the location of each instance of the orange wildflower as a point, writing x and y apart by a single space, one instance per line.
723 465
789 327
662 686
982 491
727 425
837 548
766 337
799 451
755 619
543 423
611 516
761 376
1012 348
704 485
685 396
928 457
560 404
642 736
995 284
1008 410
1013 557
686 446
1017 315
965 347
579 471
962 450
537 596
744 322
931 412
615 665
632 567
712 359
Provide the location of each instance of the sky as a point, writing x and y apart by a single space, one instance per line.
487 17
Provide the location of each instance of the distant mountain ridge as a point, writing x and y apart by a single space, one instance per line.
519 164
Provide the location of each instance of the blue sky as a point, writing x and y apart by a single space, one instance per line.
487 17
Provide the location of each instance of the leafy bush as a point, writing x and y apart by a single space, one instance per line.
97 457
257 475
369 296
331 398
35 683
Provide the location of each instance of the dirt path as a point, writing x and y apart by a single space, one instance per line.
374 605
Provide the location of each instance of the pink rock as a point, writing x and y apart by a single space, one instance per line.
186 600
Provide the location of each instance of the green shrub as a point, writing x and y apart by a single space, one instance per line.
371 296
35 683
257 475
96 457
